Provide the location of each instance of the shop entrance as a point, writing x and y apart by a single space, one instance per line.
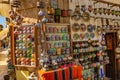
111 42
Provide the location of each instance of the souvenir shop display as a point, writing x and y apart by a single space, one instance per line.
58 53
66 48
24 45
88 50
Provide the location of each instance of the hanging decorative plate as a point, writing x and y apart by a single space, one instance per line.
83 27
87 36
92 35
75 36
75 27
76 16
90 28
83 8
82 36
86 16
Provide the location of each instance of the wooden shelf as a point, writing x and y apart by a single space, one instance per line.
106 2
25 66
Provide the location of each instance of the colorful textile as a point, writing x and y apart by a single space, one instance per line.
69 73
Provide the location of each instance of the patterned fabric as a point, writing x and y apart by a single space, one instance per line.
74 72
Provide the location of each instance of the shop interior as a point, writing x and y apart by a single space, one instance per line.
60 40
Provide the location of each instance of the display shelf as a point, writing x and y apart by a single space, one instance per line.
24 45
58 48
61 31
57 33
25 66
59 41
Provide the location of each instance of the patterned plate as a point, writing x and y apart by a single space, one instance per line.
75 27
92 35
76 16
83 27
90 28
87 36
82 36
75 36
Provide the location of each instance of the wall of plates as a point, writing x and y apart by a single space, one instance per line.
89 21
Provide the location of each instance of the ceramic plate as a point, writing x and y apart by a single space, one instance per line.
87 36
76 16
82 36
75 36
86 16
90 28
83 27
92 35
75 27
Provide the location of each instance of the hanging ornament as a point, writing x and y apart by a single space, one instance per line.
15 3
38 24
18 19
41 13
83 8
44 20
40 4
90 7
